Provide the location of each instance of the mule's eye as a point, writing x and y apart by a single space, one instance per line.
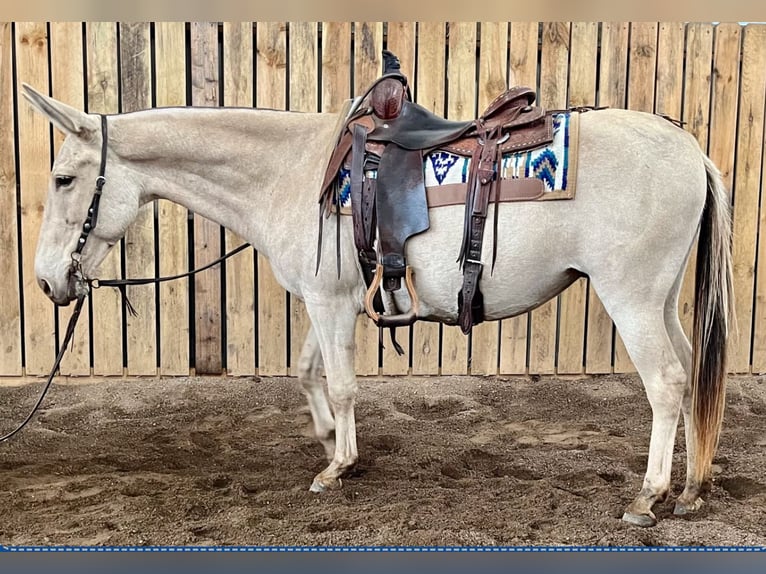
63 181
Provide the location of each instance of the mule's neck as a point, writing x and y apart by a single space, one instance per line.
245 169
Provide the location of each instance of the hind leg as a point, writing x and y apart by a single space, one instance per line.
689 500
641 323
310 378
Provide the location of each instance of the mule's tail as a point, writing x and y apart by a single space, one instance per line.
713 311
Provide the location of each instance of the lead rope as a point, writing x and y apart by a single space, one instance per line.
120 284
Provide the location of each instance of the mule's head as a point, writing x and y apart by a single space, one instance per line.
61 271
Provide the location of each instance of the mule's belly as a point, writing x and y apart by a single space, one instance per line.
532 265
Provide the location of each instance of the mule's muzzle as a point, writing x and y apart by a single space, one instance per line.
64 293
59 298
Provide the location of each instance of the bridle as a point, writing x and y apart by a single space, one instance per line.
88 225
92 217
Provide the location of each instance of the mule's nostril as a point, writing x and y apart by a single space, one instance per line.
45 287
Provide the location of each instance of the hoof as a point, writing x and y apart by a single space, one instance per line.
642 520
682 509
319 486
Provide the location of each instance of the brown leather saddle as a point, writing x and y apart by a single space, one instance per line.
385 139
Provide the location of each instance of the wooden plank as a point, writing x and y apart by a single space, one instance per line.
553 82
643 64
368 65
641 85
747 178
304 85
170 66
613 78
461 105
759 311
524 50
10 309
723 113
582 92
336 65
67 86
670 69
136 76
612 92
493 80
208 323
429 92
514 332
401 41
240 271
31 40
699 51
696 114
493 62
723 131
102 85
271 85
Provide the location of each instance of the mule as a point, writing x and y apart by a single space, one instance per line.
645 191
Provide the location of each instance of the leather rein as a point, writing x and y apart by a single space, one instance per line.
90 223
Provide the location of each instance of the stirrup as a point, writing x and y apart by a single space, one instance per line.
401 320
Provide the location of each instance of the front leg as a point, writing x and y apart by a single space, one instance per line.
310 377
334 323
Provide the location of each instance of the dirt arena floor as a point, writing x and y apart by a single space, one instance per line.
444 461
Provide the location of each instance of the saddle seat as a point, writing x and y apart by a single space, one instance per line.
384 140
417 128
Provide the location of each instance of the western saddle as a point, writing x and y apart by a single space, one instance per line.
384 140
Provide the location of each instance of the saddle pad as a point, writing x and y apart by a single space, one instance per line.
542 173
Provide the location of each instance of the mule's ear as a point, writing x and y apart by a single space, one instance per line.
64 117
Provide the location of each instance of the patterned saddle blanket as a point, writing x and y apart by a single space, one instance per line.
544 173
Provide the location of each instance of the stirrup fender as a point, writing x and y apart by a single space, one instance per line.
401 320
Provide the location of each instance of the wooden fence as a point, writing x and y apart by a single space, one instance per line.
235 318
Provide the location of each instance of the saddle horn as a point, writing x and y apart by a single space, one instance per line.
392 90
